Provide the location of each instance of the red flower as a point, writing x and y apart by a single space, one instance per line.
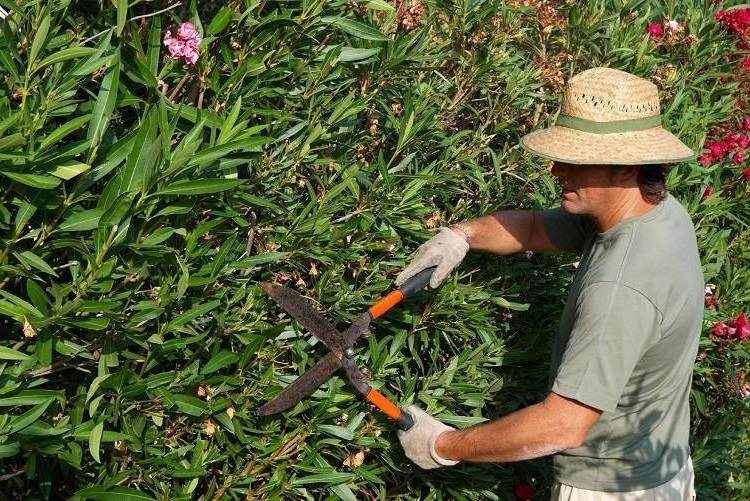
736 20
738 158
742 326
717 148
523 491
731 139
743 142
745 64
706 159
738 328
655 30
720 330
746 174
707 192
745 123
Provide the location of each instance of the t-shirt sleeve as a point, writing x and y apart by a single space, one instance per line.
567 231
614 325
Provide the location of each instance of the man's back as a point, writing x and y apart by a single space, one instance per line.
626 345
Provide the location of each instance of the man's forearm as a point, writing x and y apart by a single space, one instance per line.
504 232
535 431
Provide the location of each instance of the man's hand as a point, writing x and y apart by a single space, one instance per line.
419 441
445 250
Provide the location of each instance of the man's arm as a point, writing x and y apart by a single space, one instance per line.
508 232
551 426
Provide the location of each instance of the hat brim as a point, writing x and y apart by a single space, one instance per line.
649 146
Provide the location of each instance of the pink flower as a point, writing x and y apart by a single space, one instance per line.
187 31
743 142
673 26
745 123
183 45
655 30
706 159
746 174
745 64
738 158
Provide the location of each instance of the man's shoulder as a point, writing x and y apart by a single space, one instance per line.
655 257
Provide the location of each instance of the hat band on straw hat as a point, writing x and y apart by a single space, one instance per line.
612 127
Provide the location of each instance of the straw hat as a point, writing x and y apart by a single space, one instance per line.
608 117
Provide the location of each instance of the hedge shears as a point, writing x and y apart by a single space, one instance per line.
341 346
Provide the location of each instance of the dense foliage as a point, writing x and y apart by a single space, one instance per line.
317 144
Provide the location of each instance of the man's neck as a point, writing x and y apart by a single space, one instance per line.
621 208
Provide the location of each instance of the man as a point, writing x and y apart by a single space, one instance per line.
617 417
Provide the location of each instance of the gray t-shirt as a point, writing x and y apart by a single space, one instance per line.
626 344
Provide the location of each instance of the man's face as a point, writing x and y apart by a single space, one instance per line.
586 189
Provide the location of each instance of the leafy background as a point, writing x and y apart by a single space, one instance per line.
315 144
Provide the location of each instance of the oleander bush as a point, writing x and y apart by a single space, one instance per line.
159 159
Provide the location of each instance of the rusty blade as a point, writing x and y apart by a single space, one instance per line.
311 319
355 376
303 386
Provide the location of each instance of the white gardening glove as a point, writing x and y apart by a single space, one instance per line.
445 250
419 440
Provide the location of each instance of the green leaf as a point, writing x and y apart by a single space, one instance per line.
360 30
220 21
190 405
63 131
116 493
122 15
12 142
353 54
158 237
26 307
219 361
258 259
105 105
82 221
92 324
337 431
11 354
18 423
35 180
32 397
510 305
381 5
30 259
95 440
9 450
141 159
192 314
66 54
228 126
199 186
154 45
70 169
39 37
210 154
324 478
